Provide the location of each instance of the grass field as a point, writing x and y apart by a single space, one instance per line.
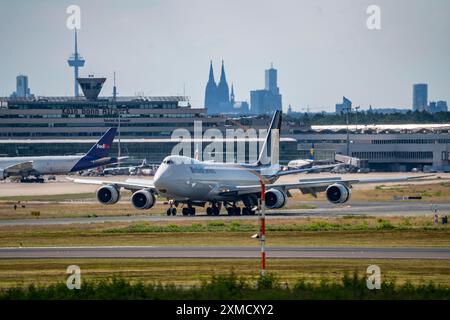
52 197
190 272
343 231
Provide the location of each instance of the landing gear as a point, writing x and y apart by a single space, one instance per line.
250 204
31 180
234 210
171 211
189 211
213 210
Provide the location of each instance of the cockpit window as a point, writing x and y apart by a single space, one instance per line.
178 160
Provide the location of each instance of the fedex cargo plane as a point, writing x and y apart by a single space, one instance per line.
24 167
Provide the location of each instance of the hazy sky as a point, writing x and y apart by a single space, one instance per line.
322 48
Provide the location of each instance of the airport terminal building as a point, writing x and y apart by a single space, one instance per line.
72 118
70 125
385 147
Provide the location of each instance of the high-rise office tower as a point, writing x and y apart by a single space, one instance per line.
22 90
267 100
420 97
271 80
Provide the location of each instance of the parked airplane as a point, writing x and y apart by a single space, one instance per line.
130 170
302 163
311 164
192 183
38 166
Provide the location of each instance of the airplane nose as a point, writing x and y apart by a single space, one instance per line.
158 179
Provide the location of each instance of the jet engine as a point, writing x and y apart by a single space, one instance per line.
275 199
338 193
2 174
143 199
108 194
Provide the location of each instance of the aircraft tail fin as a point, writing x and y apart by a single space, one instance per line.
270 151
102 147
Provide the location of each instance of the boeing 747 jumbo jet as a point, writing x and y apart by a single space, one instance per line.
38 166
191 182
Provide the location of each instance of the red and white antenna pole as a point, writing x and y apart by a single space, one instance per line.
262 232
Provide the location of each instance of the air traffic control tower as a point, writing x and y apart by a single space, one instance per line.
91 87
76 61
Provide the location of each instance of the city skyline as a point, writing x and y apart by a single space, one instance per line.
322 50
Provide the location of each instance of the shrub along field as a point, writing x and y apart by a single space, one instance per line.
189 272
233 287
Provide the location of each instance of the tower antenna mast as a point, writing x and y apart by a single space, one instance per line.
76 61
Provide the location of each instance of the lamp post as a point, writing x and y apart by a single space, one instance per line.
118 146
262 235
348 135
356 109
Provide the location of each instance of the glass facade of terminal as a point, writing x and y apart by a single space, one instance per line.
54 117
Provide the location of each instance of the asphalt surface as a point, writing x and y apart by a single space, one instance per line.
324 209
224 252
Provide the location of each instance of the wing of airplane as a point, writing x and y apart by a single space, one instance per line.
22 168
129 184
311 186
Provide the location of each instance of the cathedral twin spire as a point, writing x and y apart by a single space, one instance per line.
217 96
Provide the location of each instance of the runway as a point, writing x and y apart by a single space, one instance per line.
224 252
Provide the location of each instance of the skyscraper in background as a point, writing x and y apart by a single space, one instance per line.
420 97
439 106
267 100
271 80
22 89
345 106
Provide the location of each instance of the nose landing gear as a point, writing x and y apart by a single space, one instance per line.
172 210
